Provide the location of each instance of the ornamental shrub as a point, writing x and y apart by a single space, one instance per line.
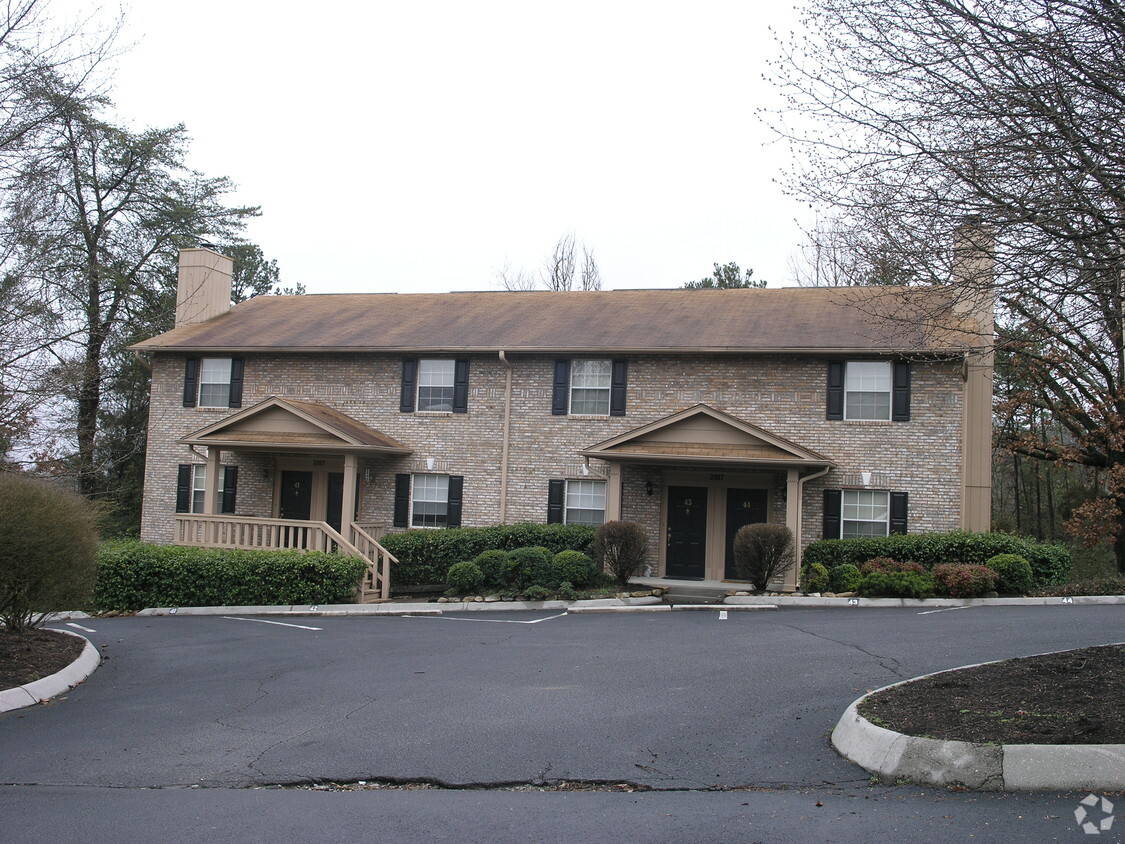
844 578
536 593
895 584
1015 575
1049 563
531 567
963 580
1108 585
814 578
573 567
619 549
133 575
763 552
48 544
425 556
493 566
465 578
885 565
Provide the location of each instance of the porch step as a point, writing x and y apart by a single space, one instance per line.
689 591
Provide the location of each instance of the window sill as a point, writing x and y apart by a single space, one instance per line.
434 413
869 422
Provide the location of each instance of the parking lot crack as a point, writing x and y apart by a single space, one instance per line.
887 663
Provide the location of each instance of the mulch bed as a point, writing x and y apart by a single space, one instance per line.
1075 697
34 655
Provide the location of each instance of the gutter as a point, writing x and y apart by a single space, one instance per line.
507 431
801 512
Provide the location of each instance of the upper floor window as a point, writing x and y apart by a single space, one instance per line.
869 390
593 387
434 385
213 382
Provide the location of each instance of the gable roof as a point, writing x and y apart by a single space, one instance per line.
785 320
702 434
307 426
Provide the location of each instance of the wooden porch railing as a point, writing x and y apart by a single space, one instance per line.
248 532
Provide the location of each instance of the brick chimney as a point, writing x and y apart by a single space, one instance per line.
202 286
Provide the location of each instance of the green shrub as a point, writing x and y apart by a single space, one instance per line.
425 556
1049 563
814 578
1111 585
494 566
963 580
567 592
1015 575
133 575
536 593
895 584
763 552
575 568
465 578
885 565
619 549
844 578
48 543
531 567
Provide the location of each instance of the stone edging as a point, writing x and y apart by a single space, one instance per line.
62 681
984 767
927 603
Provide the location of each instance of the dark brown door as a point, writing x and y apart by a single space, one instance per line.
296 494
744 507
687 532
335 513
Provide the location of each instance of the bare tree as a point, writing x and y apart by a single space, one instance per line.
913 115
561 269
591 278
560 265
519 279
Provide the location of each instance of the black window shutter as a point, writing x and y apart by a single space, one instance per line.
191 381
898 512
409 386
230 489
236 366
835 390
833 499
456 486
402 500
900 395
183 489
617 386
556 490
560 398
461 385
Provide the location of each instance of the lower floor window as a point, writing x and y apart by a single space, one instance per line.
585 502
864 512
191 488
430 501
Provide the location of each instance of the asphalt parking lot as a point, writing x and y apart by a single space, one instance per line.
683 703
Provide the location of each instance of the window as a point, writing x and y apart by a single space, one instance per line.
867 390
864 513
213 382
589 387
428 500
853 513
191 488
585 502
435 385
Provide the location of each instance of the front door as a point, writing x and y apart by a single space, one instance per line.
334 515
296 494
744 507
687 532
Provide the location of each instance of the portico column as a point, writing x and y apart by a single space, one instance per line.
347 517
613 493
793 522
211 489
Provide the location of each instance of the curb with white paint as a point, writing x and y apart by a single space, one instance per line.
62 681
920 603
983 767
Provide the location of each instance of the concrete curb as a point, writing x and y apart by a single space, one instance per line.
346 610
984 767
927 603
62 681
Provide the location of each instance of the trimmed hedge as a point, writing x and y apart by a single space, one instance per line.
1049 563
425 556
133 575
960 580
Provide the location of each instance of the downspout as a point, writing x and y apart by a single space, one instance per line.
504 446
800 511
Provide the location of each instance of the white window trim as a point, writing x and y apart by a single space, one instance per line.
849 368
413 498
886 522
566 500
199 485
202 383
608 389
451 386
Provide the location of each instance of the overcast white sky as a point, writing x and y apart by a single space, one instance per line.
418 146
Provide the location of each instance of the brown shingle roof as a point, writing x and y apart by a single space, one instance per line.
783 319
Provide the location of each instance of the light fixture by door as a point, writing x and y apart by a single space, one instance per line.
648 488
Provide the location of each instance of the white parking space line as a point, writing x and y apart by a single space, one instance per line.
492 620
80 627
266 621
947 609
